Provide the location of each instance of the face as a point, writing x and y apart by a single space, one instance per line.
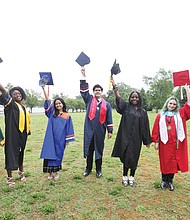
58 105
97 93
172 105
134 99
17 96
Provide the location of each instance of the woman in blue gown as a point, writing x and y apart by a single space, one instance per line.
59 133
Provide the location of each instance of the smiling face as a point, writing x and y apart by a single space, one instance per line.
17 96
134 98
172 105
97 92
58 105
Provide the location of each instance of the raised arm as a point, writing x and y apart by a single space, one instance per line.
83 73
3 91
115 88
187 93
45 94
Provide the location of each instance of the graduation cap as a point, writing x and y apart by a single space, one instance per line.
82 59
45 79
115 68
181 78
1 60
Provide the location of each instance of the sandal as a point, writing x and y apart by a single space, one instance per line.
21 176
10 181
56 177
50 177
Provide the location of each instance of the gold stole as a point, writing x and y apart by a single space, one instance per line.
22 118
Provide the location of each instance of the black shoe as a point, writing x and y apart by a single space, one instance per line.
98 174
86 173
170 186
163 185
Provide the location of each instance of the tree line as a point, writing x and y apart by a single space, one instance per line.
157 90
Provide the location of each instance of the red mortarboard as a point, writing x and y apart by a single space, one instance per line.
181 78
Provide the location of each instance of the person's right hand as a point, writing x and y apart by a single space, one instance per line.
83 71
156 146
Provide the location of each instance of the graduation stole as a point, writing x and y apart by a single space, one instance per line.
103 110
22 118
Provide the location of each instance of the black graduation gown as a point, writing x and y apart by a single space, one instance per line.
94 128
15 141
133 131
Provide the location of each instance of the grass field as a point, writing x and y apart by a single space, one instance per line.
76 197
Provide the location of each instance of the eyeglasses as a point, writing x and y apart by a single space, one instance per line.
97 90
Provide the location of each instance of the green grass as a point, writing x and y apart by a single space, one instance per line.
76 197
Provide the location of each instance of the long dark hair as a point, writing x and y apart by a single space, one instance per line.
139 105
56 112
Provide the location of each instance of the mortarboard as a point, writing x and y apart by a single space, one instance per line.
82 59
1 60
45 79
181 78
115 68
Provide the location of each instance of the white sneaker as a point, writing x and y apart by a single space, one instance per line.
131 180
125 180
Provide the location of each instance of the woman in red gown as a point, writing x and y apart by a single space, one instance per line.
170 137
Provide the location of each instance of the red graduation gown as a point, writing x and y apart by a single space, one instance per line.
173 157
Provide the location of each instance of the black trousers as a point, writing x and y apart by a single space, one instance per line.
168 177
89 160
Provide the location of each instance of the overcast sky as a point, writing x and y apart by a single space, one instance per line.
43 35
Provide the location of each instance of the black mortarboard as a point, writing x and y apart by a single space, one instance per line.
1 60
82 59
45 79
115 68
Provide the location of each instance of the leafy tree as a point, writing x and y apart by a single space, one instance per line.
9 86
110 98
145 100
71 104
32 99
160 87
177 94
124 91
79 104
61 95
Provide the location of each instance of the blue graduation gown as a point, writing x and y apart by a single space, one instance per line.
59 131
94 127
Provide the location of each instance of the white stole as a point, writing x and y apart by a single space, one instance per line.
164 131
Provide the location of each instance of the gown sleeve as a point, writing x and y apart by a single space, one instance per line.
84 91
120 105
70 131
155 130
146 130
49 108
109 119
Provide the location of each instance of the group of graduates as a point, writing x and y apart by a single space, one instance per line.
168 133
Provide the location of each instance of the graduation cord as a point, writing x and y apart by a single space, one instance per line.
170 119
